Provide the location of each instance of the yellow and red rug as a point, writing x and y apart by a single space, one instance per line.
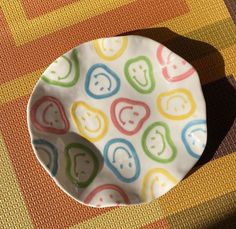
34 32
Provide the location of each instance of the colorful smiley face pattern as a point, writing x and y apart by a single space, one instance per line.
139 110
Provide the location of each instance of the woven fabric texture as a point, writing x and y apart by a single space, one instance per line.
34 32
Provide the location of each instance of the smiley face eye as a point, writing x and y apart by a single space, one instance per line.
121 166
51 123
55 112
130 164
134 70
87 161
140 67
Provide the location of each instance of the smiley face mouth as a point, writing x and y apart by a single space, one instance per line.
90 129
174 97
145 79
69 70
77 171
161 151
108 79
44 114
120 148
121 112
45 111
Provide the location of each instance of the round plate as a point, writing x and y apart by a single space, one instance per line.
118 120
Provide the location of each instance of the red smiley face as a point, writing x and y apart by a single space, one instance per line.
47 114
174 68
129 115
107 195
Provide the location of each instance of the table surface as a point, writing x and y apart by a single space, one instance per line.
33 33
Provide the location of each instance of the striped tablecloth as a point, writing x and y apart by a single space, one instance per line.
34 32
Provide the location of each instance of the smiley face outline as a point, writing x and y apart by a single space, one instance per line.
101 54
178 91
86 149
60 108
76 121
131 154
183 136
107 70
74 63
39 144
130 103
166 138
166 63
133 81
148 176
103 187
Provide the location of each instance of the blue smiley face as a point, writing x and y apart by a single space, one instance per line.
194 137
48 155
121 157
101 82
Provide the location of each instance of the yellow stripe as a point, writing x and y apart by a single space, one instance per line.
13 211
213 180
201 13
24 30
230 60
19 87
125 217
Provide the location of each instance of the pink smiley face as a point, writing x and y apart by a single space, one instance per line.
107 195
129 115
47 114
174 68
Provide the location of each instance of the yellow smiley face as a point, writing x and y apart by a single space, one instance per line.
91 122
110 48
156 183
176 104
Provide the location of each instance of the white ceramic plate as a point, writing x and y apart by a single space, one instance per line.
118 120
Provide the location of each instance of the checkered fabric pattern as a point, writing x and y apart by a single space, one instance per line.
34 32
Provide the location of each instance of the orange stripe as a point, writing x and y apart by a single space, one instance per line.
48 206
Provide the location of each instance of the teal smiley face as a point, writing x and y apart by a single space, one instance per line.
48 154
101 82
63 72
139 74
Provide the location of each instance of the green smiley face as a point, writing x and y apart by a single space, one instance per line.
63 72
82 164
139 74
157 143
